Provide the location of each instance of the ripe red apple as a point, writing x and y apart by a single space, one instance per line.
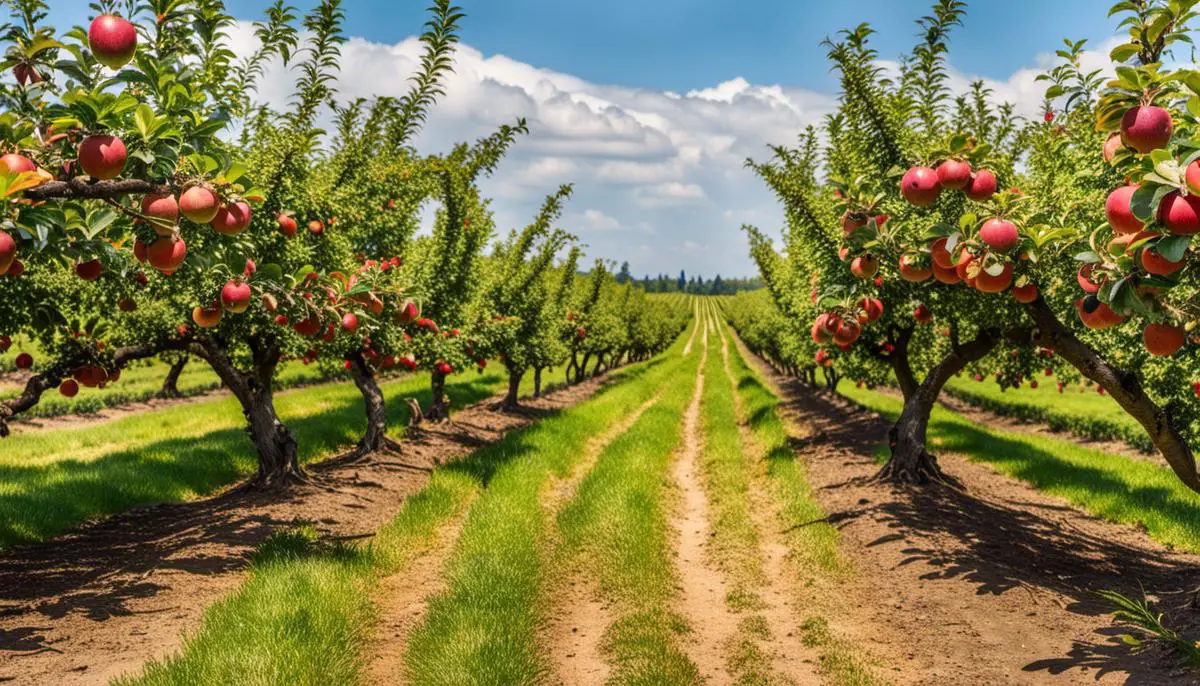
207 317
16 269
864 266
1196 389
102 156
8 252
444 368
349 321
235 296
231 219
127 304
199 204
1119 212
1163 339
920 186
162 207
847 333
166 254
819 335
954 174
69 388
983 186
90 375
24 361
1084 277
986 283
999 234
1191 175
913 272
1146 128
113 40
309 326
316 228
1025 294
872 307
287 225
16 164
941 256
1156 264
852 222
1180 214
89 270
1112 146
5 344
409 311
922 314
946 276
1095 314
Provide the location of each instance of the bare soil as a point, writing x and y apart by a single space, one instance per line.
994 584
91 605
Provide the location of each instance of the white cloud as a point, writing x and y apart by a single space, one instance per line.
599 221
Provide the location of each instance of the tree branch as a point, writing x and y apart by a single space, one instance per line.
80 188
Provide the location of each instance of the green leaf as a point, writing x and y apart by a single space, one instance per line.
1123 52
1173 248
270 271
1088 256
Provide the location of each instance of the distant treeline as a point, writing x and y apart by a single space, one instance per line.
697 285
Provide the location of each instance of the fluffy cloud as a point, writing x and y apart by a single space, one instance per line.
666 165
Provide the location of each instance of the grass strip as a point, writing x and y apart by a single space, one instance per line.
52 480
617 526
1114 487
484 628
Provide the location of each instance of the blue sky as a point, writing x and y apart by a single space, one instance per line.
659 178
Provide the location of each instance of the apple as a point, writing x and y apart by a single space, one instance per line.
1163 340
207 317
864 267
920 186
88 271
164 208
166 254
287 225
309 326
1119 212
947 276
127 304
912 272
872 307
16 164
1025 294
1084 278
5 344
1180 214
69 388
24 361
444 368
1156 264
999 234
349 321
316 228
113 40
199 204
102 156
982 187
1112 146
8 252
847 333
409 312
1095 314
90 375
235 296
852 222
922 314
954 174
1146 127
986 283
941 256
231 219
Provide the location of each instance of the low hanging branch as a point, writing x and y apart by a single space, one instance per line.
1124 387
81 188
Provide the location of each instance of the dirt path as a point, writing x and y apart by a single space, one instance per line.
994 585
783 600
88 606
576 628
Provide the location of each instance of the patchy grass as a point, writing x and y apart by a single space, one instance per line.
53 479
1111 486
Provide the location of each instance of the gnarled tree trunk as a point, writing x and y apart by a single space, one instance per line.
170 387
375 436
511 400
581 371
439 404
537 382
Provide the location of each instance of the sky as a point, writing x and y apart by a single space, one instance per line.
651 107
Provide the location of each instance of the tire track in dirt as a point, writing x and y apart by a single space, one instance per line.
703 588
574 634
687 349
783 600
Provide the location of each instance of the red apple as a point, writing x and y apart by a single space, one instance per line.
127 305
113 40
102 156
349 321
16 164
89 270
947 276
8 252
912 272
1146 128
1156 264
1163 339
941 256
1119 212
26 73
982 186
847 333
164 208
1180 214
287 225
864 266
231 219
199 204
920 186
316 228
1112 146
1025 294
922 314
872 307
999 234
235 296
166 254
1084 278
24 361
954 174
69 388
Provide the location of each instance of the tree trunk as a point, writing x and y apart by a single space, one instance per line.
512 398
170 387
1123 386
910 461
374 403
278 465
599 364
581 371
439 404
537 382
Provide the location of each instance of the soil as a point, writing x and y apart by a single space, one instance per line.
89 606
992 584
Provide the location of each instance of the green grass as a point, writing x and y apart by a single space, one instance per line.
483 629
1111 486
1079 410
305 614
617 525
51 480
812 541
